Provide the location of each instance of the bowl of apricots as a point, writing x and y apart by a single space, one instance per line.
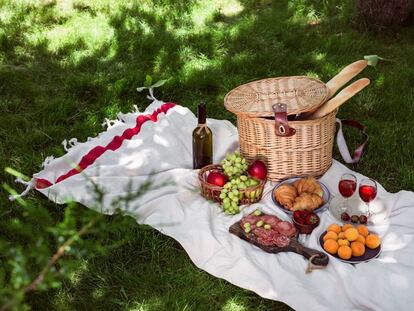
349 243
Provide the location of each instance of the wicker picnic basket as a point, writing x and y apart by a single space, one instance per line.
308 151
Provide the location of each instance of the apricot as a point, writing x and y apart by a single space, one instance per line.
331 246
346 227
343 242
363 230
351 234
358 249
335 228
330 235
344 252
372 241
361 239
341 235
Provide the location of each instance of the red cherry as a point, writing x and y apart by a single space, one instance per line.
345 217
217 178
257 170
354 218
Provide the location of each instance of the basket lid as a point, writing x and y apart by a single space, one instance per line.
299 93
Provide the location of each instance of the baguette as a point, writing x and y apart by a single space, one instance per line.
344 76
340 98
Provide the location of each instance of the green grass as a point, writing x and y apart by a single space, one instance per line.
66 65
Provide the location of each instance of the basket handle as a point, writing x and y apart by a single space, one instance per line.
343 148
282 127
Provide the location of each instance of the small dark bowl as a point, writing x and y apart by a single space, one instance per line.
305 229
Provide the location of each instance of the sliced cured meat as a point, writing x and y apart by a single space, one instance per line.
277 235
265 237
271 220
251 219
282 241
286 228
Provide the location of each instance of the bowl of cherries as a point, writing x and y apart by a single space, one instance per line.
305 221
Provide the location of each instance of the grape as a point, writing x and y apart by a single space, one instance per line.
257 212
235 167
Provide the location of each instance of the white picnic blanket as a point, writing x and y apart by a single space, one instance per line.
162 149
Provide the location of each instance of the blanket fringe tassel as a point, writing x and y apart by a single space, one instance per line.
69 144
29 186
47 161
109 123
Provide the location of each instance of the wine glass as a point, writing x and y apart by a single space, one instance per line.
368 192
347 186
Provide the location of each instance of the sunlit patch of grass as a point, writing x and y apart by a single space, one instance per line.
88 34
233 305
319 56
312 74
231 8
379 82
76 276
147 305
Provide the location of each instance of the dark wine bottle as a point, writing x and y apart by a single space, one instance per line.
202 141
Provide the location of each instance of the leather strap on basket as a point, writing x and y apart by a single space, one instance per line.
282 127
343 148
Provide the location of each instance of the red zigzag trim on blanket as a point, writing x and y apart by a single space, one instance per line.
114 144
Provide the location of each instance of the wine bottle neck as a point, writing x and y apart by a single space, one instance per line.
202 114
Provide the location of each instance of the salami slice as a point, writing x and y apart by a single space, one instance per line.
286 228
282 241
271 220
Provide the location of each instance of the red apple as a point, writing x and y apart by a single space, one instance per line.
257 170
217 178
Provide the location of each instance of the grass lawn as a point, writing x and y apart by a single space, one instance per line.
66 65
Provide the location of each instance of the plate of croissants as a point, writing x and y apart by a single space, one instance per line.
296 194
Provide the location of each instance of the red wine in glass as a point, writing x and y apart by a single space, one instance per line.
347 186
368 192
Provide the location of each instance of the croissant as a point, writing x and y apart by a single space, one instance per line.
286 195
309 201
309 185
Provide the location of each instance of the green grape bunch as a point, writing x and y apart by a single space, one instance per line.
232 193
234 165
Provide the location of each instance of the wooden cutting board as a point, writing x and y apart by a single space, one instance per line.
320 258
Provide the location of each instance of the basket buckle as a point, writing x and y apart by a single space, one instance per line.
282 127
